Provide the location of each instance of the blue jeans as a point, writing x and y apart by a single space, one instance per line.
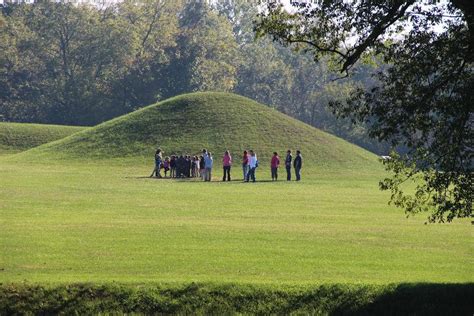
157 170
274 173
208 174
245 169
251 175
298 174
288 173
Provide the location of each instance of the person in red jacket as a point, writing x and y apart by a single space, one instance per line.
275 163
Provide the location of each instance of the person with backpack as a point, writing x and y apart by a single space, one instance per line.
245 164
297 164
288 160
226 163
275 163
253 164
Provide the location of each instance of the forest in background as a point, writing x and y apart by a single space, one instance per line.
81 65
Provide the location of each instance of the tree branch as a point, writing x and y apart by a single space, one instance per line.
395 13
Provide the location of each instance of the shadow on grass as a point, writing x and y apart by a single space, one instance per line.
428 299
336 299
198 180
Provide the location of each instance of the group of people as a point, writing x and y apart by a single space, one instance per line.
186 166
183 166
297 164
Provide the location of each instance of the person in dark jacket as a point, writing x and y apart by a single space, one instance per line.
202 167
189 166
288 160
297 164
173 166
180 167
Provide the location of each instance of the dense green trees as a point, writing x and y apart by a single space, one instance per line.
151 28
80 65
68 64
208 56
59 63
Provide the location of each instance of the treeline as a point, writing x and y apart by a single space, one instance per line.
81 65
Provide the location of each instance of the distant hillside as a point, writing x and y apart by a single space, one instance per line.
16 137
212 120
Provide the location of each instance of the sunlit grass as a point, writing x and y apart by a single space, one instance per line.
105 221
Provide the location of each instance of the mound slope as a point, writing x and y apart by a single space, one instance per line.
16 137
213 120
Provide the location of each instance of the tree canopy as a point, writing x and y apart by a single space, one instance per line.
422 100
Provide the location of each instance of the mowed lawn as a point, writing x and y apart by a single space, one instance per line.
105 221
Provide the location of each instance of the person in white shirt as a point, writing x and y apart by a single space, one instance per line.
253 163
208 162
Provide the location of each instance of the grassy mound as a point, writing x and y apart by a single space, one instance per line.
17 137
217 121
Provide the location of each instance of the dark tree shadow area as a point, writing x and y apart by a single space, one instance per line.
231 299
417 299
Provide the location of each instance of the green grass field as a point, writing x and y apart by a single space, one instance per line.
101 222
72 213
